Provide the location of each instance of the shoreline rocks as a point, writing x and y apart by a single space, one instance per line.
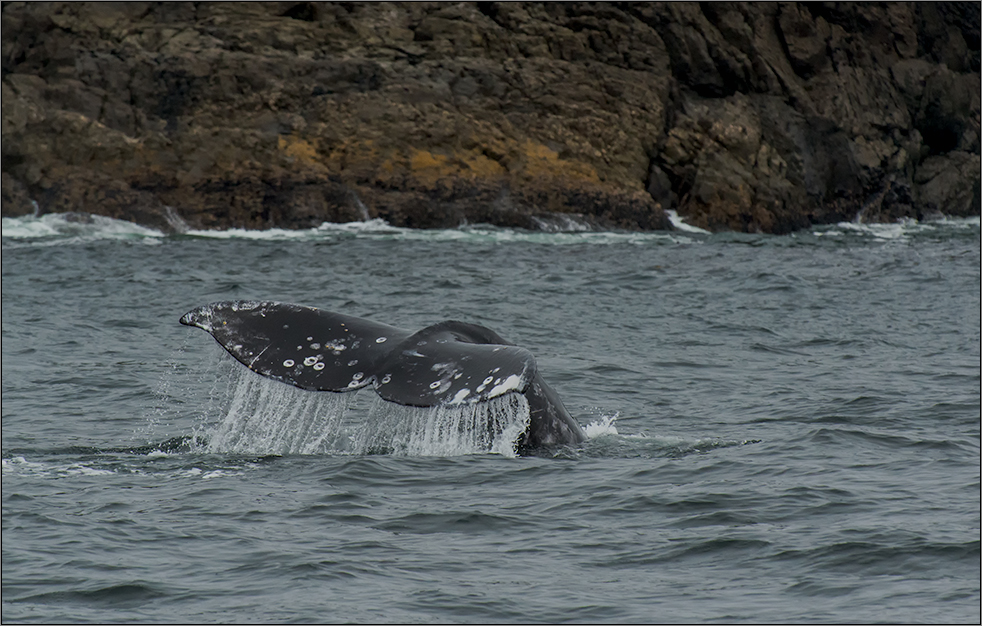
746 117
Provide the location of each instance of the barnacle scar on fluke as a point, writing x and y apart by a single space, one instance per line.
447 364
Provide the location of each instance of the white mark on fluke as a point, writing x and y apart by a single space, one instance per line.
511 383
463 393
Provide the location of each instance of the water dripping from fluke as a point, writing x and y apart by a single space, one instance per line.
268 417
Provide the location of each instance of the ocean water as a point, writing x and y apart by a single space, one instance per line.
781 429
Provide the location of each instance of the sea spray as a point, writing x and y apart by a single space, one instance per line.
186 391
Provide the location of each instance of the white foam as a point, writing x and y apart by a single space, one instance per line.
75 227
897 231
560 223
196 472
601 427
282 234
478 233
20 465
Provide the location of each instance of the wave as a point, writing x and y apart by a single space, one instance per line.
112 463
73 228
70 228
379 229
900 230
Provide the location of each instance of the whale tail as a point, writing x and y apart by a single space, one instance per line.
444 364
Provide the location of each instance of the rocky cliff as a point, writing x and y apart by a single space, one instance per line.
742 116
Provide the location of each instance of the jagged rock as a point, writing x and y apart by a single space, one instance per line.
754 117
949 184
16 201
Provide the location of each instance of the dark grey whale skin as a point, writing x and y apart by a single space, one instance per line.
447 364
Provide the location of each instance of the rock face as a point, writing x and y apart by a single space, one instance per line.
749 117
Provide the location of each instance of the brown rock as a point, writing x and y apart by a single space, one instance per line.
757 117
950 184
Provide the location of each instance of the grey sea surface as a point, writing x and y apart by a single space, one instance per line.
782 429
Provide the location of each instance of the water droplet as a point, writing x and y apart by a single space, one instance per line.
319 366
380 340
310 360
357 376
315 346
386 379
353 363
288 363
434 384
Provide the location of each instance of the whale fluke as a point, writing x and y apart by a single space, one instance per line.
446 364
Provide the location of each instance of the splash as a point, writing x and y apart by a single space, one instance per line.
681 225
561 223
601 427
267 417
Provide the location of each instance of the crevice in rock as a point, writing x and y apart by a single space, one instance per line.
304 11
